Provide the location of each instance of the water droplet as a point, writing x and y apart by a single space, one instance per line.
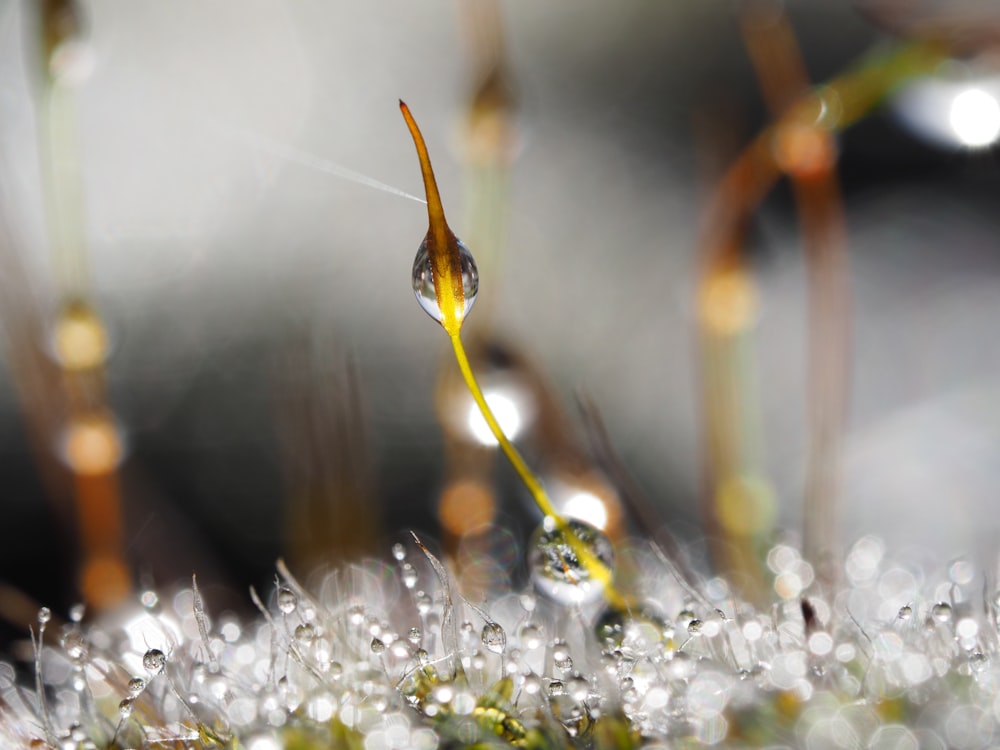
44 615
356 614
558 572
423 601
636 633
77 611
149 599
423 281
378 647
564 665
74 644
125 707
905 612
941 611
494 638
579 688
409 575
154 661
556 687
287 600
532 684
978 661
695 627
305 633
136 685
530 636
561 658
415 636
399 552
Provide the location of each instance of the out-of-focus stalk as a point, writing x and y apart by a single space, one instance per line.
90 443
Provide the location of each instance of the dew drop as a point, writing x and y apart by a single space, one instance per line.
125 707
399 552
695 627
423 601
579 688
154 660
905 612
287 600
558 572
77 611
530 636
136 685
415 636
305 633
356 614
941 612
494 638
378 647
75 645
423 280
409 575
532 684
557 687
636 633
44 615
564 665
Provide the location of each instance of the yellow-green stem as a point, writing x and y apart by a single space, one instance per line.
594 566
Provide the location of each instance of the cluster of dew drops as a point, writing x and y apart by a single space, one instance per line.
391 650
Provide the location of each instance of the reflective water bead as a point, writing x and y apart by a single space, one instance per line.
77 611
905 612
636 633
494 637
941 611
415 636
530 636
44 615
423 280
74 644
154 661
125 707
557 570
564 665
423 601
287 600
136 685
378 647
579 688
398 552
305 633
409 575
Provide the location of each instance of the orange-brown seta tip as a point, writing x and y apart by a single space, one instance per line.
442 245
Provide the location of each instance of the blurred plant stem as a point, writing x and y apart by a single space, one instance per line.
798 143
88 439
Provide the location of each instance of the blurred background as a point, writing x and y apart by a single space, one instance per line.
276 391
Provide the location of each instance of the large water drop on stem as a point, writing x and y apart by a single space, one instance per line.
557 570
423 281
